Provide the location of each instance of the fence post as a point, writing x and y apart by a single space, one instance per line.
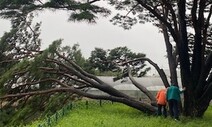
86 103
63 111
70 106
100 102
48 121
56 116
39 125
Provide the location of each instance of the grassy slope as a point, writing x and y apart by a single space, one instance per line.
118 115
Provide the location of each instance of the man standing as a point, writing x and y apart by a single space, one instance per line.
173 97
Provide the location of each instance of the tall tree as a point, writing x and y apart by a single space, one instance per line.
98 60
188 24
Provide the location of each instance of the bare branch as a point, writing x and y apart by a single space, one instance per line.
174 17
205 72
193 13
35 93
160 71
162 19
93 1
40 2
58 72
132 9
206 96
101 86
142 88
80 69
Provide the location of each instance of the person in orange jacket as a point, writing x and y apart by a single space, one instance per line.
161 102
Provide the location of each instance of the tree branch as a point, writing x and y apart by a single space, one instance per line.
40 2
142 88
34 93
206 96
174 17
172 58
64 73
101 86
160 71
133 103
193 13
80 69
162 19
93 1
183 44
205 72
199 46
132 9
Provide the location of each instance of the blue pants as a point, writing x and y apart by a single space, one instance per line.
173 108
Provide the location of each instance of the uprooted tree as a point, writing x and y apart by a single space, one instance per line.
62 74
187 23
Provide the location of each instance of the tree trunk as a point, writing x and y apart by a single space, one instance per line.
169 49
196 106
171 60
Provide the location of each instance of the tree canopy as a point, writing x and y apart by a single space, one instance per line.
111 60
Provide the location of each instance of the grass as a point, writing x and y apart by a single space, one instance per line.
119 115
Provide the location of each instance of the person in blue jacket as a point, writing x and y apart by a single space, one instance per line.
173 98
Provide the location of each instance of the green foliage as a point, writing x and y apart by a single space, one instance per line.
98 59
56 102
103 62
80 10
18 43
74 53
20 116
20 63
83 16
26 109
5 115
37 107
21 46
5 49
9 75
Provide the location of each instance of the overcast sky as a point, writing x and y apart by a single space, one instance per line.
143 38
